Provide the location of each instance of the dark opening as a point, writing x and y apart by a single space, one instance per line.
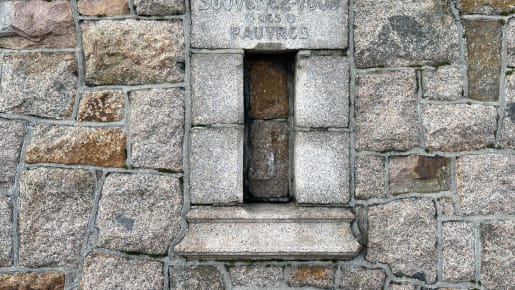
268 97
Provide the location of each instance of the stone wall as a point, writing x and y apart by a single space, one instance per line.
119 118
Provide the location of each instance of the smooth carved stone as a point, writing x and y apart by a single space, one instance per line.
511 43
370 180
110 272
196 277
311 276
102 106
443 84
103 7
6 239
131 52
419 174
360 278
160 7
487 6
55 205
39 24
12 133
32 281
256 276
40 84
405 33
458 251
484 58
77 145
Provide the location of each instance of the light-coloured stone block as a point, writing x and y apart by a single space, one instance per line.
370 180
6 238
443 84
511 43
458 252
160 7
202 277
256 276
6 18
12 133
360 278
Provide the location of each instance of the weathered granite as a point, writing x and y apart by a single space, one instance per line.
510 36
443 84
202 277
40 84
55 205
13 133
6 18
311 276
486 6
103 7
6 238
32 281
157 128
360 278
369 176
139 213
458 252
507 128
419 174
401 287
256 276
101 106
160 7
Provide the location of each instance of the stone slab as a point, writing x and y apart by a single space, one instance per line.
13 133
311 276
272 25
6 238
443 84
160 7
458 252
30 281
266 276
101 106
370 180
202 277
361 278
103 7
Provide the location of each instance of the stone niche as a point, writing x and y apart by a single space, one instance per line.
269 158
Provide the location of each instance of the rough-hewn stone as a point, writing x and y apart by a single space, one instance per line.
32 281
369 176
498 254
386 113
77 145
321 167
507 129
101 106
511 43
459 127
486 184
133 51
40 84
487 6
159 7
484 58
139 213
111 272
443 84
404 33
311 276
256 276
12 133
38 24
217 88
419 174
157 128
360 278
322 91
216 165
458 251
6 18
6 238
201 277
103 7
55 205
402 234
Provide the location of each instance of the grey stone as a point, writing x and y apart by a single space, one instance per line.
216 165
12 133
386 110
322 91
6 18
311 276
447 205
418 173
507 132
321 167
139 213
486 184
510 86
217 88
402 234
159 7
401 287
256 276
497 254
269 25
443 84
459 127
40 84
369 176
511 43
360 278
157 128
404 33
111 272
202 277
458 251
55 205
6 238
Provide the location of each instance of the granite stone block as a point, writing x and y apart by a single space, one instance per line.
13 133
443 84
419 174
203 277
6 18
486 6
256 276
511 43
29 281
160 7
458 252
101 106
360 278
103 7
311 276
369 176
6 238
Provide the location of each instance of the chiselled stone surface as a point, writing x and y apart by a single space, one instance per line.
419 174
269 25
511 43
133 51
402 234
311 276
269 159
32 281
139 213
360 278
5 232
369 176
103 7
157 128
12 133
484 58
55 205
202 277
40 84
160 7
321 167
256 276
498 254
386 113
37 24
443 84
322 91
216 165
111 272
217 88
458 127
458 251
404 33
77 145
486 184
487 6
101 106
